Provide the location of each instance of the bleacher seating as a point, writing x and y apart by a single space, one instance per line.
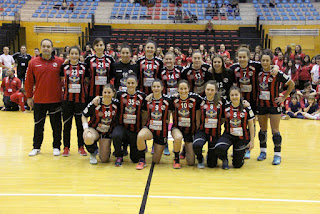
82 9
293 10
164 11
11 7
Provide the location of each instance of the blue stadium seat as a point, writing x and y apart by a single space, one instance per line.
260 14
307 1
43 15
86 8
50 16
136 9
302 18
78 8
268 14
15 10
88 4
38 11
74 16
304 10
164 18
121 13
143 9
281 10
122 9
193 9
80 4
273 10
113 13
294 5
116 5
315 13
66 16
12 6
269 18
291 14
299 1
68 12
284 1
19 6
310 18
130 5
41 7
302 5
287 6
135 13
230 18
118 1
62 11
310 5
299 14
266 10
313 9
277 18
200 13
8 10
95 4
256 6
129 13
84 12
192 6
51 3
254 2
285 18
15 2
49 7
289 10
93 8
89 16
279 5
296 10
164 13
115 9
46 11
53 11
129 9
82 16
137 5
123 5
35 15
22 2
208 17
142 13
44 3
283 14
238 18
307 14
91 12
258 10
262 18
294 18
318 17
275 14
200 18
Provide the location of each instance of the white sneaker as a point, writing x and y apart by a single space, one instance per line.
93 159
56 152
34 152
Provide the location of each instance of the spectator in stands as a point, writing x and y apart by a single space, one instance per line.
229 10
298 52
288 52
88 51
203 52
64 5
279 60
272 3
9 86
315 73
82 59
237 10
134 58
234 4
311 110
6 60
212 52
159 53
178 15
57 6
209 10
63 56
276 51
252 56
71 6
291 71
109 50
257 57
36 52
258 49
304 74
223 51
209 27
139 51
179 3
223 10
215 10
189 56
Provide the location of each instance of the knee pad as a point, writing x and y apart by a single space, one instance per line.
277 139
263 136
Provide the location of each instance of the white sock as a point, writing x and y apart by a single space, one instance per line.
263 150
277 154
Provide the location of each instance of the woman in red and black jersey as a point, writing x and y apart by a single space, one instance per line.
239 130
98 66
122 69
75 76
131 119
159 109
197 73
103 119
185 113
149 67
222 76
269 105
210 125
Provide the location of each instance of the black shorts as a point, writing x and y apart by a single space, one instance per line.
160 140
268 110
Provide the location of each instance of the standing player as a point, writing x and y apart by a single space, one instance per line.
185 113
22 59
103 119
131 120
197 73
149 67
98 66
74 96
159 109
210 125
239 130
269 106
44 73
122 69
222 75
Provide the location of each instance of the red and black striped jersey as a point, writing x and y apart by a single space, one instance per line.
184 112
246 79
98 69
269 88
211 114
131 106
158 115
170 79
103 117
74 82
236 121
120 72
149 70
197 78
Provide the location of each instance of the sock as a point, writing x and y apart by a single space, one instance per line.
142 155
176 157
277 154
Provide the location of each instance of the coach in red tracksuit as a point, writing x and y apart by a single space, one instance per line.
44 73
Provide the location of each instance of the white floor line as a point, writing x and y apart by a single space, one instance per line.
164 197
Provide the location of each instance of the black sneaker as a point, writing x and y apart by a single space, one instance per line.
225 164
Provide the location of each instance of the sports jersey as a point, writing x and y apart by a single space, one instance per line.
246 79
236 121
158 115
210 121
197 78
304 72
313 108
268 88
149 70
225 53
103 117
130 113
10 85
22 63
170 79
294 108
224 81
98 68
184 115
74 78
45 74
120 71
19 98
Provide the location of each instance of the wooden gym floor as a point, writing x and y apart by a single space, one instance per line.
48 184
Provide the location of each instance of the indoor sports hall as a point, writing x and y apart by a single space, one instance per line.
48 184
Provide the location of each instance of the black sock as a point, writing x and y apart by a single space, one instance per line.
142 155
176 156
200 158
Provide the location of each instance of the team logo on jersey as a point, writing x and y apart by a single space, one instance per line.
106 120
237 74
74 79
199 82
68 72
177 76
235 122
81 72
183 112
130 109
270 79
211 113
163 107
123 81
250 73
54 64
137 102
228 114
225 80
221 91
172 82
244 80
190 105
148 73
101 71
156 115
263 85
242 114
